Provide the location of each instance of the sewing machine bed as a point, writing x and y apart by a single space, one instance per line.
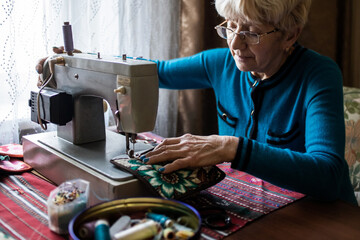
97 155
60 160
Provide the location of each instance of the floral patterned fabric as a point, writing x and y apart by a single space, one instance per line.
177 185
352 144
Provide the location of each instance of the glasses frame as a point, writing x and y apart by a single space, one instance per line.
242 34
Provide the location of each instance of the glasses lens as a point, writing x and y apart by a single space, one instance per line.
251 38
222 32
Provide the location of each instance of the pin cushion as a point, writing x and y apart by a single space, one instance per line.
137 208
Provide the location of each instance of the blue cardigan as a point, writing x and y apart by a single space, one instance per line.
290 127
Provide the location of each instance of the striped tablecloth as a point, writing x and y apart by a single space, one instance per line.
23 209
244 197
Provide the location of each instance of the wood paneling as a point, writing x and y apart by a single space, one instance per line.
320 33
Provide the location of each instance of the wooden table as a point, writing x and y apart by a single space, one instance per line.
305 219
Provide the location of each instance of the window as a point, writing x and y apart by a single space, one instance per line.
147 28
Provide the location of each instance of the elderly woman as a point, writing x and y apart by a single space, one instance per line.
280 107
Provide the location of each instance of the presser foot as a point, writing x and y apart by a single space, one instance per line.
130 153
130 138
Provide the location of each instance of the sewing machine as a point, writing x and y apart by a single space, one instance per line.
82 147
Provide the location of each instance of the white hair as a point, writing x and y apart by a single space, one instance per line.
282 14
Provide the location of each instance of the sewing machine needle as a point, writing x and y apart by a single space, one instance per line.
130 137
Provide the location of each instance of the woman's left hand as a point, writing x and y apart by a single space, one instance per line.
190 151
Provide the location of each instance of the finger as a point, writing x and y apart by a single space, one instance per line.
175 165
168 141
39 66
176 141
61 49
158 149
168 152
58 50
39 82
163 146
162 156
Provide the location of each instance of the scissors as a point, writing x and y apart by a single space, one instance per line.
215 218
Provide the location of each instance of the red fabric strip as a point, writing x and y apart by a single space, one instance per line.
23 209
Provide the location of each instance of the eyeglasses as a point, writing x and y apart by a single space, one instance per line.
249 37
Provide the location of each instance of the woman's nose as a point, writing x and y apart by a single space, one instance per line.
238 42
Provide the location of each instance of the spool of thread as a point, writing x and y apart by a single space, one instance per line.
184 234
102 231
184 220
68 38
179 227
121 224
162 219
168 234
87 231
143 230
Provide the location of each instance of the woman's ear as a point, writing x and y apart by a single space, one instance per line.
291 37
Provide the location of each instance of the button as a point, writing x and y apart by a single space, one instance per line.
252 112
224 116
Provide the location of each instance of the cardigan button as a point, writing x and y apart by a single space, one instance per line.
252 112
224 116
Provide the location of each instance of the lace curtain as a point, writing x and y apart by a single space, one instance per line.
29 30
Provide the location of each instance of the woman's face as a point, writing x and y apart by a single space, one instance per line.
263 59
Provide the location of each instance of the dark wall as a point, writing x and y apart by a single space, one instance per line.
321 32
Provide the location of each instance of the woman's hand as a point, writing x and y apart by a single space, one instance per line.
190 151
40 64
